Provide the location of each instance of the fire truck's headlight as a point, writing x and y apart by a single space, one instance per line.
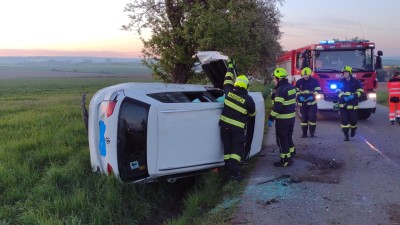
319 96
371 95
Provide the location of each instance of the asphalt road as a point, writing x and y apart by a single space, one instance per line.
331 181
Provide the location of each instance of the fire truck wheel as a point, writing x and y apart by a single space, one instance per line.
364 114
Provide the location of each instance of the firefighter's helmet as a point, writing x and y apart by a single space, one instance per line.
348 69
280 73
242 81
306 72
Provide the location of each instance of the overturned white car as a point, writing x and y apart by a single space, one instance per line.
141 132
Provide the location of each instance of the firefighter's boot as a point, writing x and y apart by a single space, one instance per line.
346 135
284 162
304 129
312 131
398 120
353 132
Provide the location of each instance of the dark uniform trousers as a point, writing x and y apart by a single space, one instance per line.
284 140
234 142
348 119
309 117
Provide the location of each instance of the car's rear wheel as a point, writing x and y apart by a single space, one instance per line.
364 114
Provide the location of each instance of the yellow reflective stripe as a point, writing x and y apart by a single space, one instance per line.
235 107
303 124
315 93
312 124
291 150
305 92
289 102
345 126
228 82
233 122
229 74
226 157
317 89
341 105
279 99
286 116
360 90
350 107
273 113
234 156
347 93
283 155
340 94
252 114
300 104
353 126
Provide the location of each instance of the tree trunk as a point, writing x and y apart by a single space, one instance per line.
180 74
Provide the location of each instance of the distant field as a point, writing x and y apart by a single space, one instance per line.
67 69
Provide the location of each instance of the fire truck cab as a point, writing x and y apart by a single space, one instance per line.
327 59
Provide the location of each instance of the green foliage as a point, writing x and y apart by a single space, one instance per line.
382 98
247 30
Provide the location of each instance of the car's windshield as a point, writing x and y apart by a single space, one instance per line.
334 61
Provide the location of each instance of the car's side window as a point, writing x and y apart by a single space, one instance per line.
181 97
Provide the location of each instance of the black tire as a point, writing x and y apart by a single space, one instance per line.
364 114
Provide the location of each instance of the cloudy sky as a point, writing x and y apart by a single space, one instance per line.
309 21
92 27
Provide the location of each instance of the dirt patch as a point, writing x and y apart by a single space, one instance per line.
394 212
321 171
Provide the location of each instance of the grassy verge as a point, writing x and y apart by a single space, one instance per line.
382 98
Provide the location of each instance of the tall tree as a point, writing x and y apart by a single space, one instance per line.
247 30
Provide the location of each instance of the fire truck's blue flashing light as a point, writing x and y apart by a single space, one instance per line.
327 42
333 86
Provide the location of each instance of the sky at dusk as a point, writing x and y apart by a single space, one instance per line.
93 27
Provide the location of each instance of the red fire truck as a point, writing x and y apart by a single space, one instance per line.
326 60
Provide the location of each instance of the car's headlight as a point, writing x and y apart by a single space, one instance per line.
371 95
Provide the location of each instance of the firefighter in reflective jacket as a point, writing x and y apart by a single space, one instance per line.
307 89
283 112
350 89
394 98
238 107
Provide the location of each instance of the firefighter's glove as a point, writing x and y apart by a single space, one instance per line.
310 98
231 63
302 99
270 122
351 97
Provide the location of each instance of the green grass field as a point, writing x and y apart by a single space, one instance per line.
45 172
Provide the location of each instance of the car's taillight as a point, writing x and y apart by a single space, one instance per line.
110 108
109 168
